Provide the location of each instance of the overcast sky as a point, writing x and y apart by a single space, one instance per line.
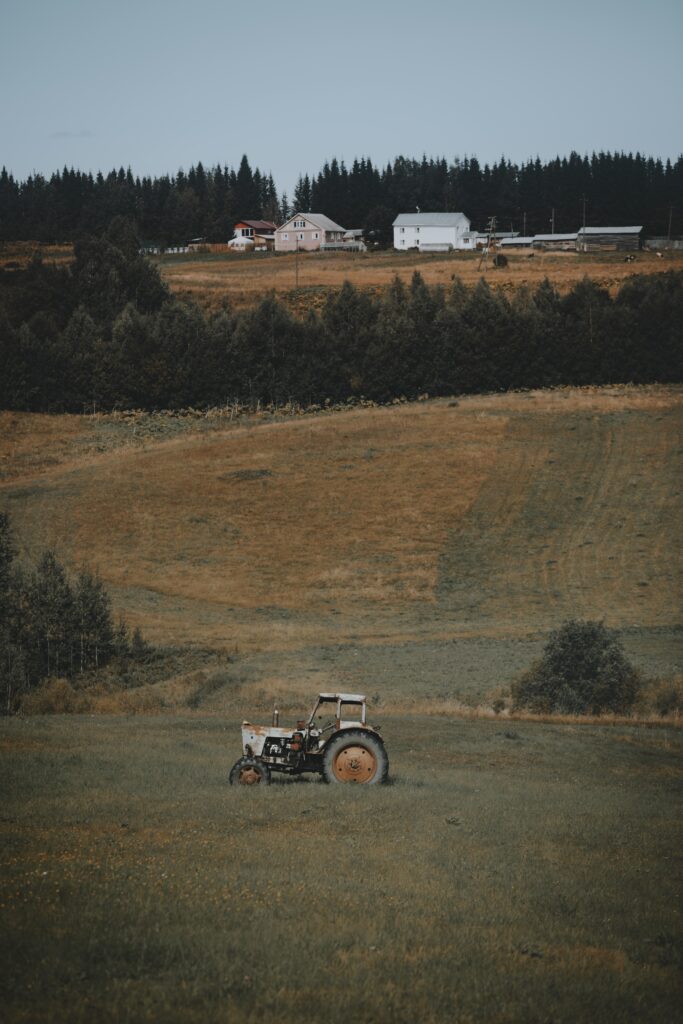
162 84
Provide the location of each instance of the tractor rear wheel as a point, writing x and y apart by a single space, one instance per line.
355 756
249 772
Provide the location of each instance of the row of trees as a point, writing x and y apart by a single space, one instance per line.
167 210
618 188
51 625
105 332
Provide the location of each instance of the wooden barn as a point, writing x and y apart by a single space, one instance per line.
617 239
556 243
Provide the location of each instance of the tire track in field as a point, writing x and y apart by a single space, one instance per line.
577 518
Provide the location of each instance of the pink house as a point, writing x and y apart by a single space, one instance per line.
307 232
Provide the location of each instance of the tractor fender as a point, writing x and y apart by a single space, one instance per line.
351 730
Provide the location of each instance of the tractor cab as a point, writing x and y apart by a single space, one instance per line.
335 711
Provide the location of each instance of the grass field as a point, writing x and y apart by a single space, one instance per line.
515 871
495 515
509 874
304 281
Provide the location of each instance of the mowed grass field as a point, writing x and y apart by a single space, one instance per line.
492 515
514 871
304 282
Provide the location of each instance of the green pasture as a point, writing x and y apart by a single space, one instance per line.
512 871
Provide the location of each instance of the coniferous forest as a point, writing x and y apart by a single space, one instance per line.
105 333
618 188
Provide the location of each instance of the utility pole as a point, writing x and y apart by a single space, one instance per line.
552 221
668 234
583 199
524 224
296 262
490 240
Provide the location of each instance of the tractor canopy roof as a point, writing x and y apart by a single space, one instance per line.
348 698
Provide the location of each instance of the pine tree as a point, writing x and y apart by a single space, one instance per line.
51 617
92 620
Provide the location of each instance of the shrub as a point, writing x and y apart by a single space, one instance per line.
54 697
663 697
583 671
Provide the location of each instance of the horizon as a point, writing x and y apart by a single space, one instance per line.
148 88
381 167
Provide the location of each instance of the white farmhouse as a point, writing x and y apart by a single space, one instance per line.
430 232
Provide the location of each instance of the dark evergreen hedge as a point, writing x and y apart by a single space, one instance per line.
105 333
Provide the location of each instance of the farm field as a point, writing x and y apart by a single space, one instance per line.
512 872
303 281
515 870
495 516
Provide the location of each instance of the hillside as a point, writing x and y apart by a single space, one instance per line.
397 530
417 553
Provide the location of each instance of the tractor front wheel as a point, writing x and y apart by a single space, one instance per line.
355 756
249 772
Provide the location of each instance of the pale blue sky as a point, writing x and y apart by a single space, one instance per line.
159 84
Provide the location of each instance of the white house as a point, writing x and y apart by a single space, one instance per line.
307 232
430 232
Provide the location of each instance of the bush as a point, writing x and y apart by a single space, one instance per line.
663 697
583 671
54 697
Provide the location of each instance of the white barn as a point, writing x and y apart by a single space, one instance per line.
430 232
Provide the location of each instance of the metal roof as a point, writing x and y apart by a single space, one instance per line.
429 220
319 220
556 238
611 231
258 225
349 698
519 240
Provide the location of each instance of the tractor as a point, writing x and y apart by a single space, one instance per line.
335 741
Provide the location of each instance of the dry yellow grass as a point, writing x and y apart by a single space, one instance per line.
19 254
304 281
498 515
245 279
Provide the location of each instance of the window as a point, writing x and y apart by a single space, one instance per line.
417 231
299 223
300 236
316 235
402 230
285 236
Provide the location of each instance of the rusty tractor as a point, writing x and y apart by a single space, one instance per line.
335 741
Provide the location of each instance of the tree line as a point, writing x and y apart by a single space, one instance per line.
52 625
105 333
618 188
